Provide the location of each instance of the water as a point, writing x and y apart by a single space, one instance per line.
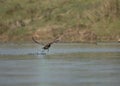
64 65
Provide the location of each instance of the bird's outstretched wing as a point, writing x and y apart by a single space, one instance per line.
36 40
56 40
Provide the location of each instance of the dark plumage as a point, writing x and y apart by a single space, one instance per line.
47 46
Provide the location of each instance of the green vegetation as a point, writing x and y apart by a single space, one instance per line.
20 18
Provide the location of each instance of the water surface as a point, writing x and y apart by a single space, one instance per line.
64 65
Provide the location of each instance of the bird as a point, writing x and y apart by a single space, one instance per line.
48 45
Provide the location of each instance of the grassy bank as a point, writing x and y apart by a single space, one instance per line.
20 19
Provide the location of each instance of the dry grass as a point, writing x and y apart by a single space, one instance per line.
26 16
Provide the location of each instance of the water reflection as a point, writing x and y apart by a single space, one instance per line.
64 68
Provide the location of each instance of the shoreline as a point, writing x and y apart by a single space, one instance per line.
31 42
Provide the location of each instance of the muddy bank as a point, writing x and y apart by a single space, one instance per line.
72 35
68 35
